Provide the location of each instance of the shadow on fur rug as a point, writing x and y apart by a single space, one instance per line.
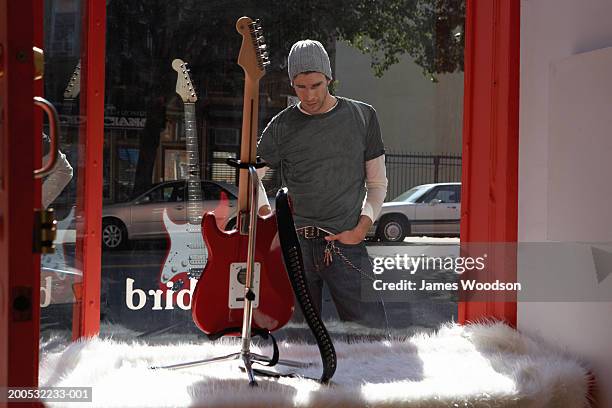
488 365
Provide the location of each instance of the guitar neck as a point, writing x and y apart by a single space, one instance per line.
194 191
248 144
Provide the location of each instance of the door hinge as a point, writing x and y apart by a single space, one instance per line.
45 227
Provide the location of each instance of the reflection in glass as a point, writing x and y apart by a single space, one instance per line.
403 57
60 276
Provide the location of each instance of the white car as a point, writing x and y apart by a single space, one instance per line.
428 209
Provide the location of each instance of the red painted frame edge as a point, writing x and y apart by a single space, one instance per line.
18 275
490 137
86 320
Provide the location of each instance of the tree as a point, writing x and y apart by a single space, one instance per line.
429 31
144 36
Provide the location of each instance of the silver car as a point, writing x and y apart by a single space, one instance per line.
143 216
428 209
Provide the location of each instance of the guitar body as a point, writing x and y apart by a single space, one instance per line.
186 256
216 303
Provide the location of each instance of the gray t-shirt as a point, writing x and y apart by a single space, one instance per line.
322 161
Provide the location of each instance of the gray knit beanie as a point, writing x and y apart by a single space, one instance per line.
306 56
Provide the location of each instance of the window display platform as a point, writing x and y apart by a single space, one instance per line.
473 365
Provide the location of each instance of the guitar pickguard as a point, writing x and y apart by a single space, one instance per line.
187 255
237 278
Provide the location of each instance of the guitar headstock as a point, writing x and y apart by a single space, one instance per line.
184 84
253 57
74 84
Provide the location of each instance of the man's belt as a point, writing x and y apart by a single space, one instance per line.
311 232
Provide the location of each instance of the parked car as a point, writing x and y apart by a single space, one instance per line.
428 209
142 216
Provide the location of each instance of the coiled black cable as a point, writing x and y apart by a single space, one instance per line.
294 264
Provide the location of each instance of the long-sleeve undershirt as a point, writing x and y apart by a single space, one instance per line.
376 186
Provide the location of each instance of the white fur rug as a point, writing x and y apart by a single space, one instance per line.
484 365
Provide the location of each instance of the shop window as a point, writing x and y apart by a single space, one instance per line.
406 62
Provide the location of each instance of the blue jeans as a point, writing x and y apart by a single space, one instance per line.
343 280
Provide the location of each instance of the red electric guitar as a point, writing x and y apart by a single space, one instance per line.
218 300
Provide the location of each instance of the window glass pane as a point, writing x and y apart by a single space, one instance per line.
167 193
402 58
411 195
458 193
61 274
446 195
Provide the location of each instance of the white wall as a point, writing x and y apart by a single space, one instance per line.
565 167
415 114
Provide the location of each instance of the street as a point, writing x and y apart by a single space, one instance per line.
143 261
130 277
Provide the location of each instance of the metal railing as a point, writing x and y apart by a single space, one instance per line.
406 170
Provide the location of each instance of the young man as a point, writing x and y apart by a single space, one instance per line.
328 149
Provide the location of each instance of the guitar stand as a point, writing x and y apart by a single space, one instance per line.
248 358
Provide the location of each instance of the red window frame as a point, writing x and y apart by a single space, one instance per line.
86 316
489 179
489 208
21 27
